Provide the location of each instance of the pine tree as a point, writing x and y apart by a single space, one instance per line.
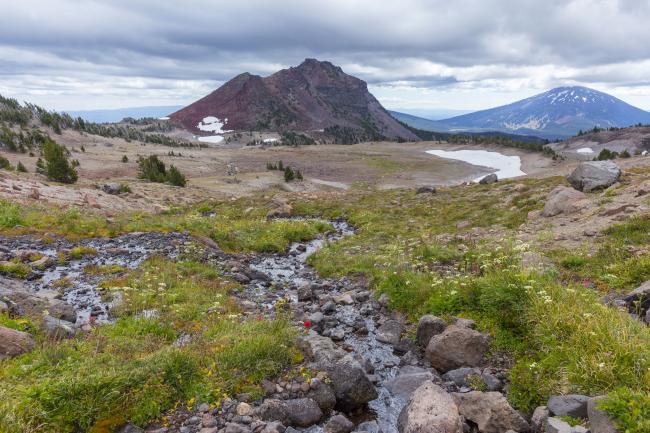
57 166
21 168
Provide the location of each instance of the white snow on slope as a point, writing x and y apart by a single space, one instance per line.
212 139
585 150
213 124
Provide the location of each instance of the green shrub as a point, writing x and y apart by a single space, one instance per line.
606 154
5 164
154 170
629 409
125 159
175 177
9 215
57 166
289 174
21 168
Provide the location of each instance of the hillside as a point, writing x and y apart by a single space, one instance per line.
313 96
559 113
634 140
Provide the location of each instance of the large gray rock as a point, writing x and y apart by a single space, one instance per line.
428 326
490 411
457 347
592 175
638 300
574 405
538 420
14 343
430 410
462 376
565 201
556 425
349 381
490 178
303 412
408 380
390 332
57 328
599 421
339 424
323 394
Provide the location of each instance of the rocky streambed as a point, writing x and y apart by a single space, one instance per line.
370 371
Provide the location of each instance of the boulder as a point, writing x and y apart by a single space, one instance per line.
556 425
462 376
638 300
390 332
14 343
592 175
273 410
348 379
564 201
490 411
302 412
323 394
599 421
574 405
111 188
130 428
538 420
430 410
57 328
428 326
339 424
426 190
408 380
457 347
305 292
490 178
280 208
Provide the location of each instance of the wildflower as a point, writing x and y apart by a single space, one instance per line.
307 323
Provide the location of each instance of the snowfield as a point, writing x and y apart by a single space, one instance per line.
212 139
505 166
585 150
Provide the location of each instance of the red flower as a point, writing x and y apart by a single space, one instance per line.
307 323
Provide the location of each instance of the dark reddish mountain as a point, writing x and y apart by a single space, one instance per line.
312 96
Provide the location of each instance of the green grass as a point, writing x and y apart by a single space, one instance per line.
131 371
620 262
15 269
561 337
81 251
233 228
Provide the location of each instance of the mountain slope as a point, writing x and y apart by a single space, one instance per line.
312 96
558 113
420 122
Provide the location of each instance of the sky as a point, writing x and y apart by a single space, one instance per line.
414 54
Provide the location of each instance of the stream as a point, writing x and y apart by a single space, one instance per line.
266 279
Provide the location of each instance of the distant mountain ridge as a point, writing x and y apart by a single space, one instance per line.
559 113
116 114
312 96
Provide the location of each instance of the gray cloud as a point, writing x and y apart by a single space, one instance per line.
123 52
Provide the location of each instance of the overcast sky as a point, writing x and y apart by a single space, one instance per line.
461 54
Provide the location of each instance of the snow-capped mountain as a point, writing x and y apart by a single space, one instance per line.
560 112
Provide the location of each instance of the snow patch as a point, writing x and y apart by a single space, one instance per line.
270 140
163 118
505 166
212 124
212 139
585 150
